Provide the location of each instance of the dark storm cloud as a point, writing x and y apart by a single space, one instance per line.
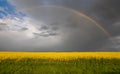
64 30
45 34
23 29
107 12
2 23
44 27
2 26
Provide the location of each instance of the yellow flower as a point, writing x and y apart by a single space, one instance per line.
58 55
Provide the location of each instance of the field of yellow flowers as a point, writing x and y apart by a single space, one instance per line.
58 55
60 62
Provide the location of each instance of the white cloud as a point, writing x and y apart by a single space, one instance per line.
14 24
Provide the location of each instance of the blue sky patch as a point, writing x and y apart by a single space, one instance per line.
7 9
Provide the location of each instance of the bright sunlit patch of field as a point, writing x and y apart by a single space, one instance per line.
58 55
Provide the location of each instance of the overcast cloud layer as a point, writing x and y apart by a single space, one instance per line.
51 25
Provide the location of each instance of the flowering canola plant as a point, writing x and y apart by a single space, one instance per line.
58 55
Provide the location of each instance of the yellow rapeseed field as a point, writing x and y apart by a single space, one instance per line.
58 55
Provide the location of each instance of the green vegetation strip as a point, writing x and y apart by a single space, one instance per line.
50 66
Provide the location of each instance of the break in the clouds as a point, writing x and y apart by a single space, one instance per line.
58 25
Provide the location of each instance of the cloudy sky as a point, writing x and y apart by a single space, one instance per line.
59 25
